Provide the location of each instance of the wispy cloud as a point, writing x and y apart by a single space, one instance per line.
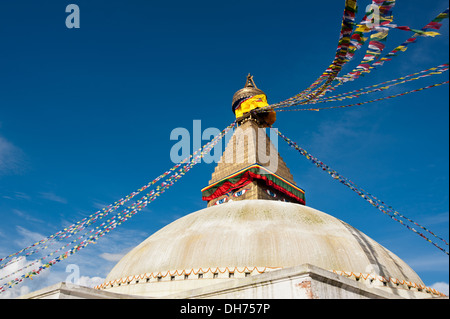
99 204
112 257
26 216
11 158
429 263
20 195
53 197
436 219
27 236
17 196
338 136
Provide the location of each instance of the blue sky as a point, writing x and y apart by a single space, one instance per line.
86 116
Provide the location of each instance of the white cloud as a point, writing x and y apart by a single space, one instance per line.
91 269
441 287
99 205
346 136
436 219
25 216
112 257
16 268
11 158
20 195
28 236
90 281
17 196
11 294
432 262
53 197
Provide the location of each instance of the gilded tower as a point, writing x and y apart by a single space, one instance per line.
251 167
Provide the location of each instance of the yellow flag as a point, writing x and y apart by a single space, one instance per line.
257 101
431 33
362 28
379 35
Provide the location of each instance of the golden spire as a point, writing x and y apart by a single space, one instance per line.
250 82
250 89
247 100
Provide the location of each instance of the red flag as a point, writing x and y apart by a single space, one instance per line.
380 46
404 28
433 25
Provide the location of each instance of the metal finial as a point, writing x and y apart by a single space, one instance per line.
250 82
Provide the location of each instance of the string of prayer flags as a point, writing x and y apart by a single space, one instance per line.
418 32
74 228
384 86
372 59
348 23
91 236
378 36
351 42
379 33
366 102
373 88
354 74
85 222
381 206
